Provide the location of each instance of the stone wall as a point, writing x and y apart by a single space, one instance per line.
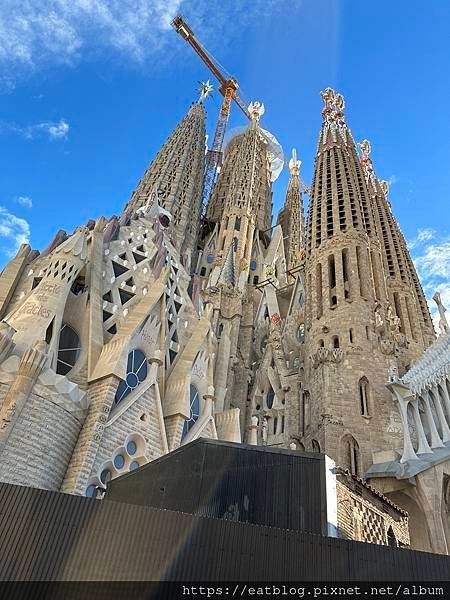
40 445
366 517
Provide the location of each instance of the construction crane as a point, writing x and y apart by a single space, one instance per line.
229 89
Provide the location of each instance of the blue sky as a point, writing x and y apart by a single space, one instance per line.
89 89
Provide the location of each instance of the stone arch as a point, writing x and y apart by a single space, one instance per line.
418 527
315 446
350 454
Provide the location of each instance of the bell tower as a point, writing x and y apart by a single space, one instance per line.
345 406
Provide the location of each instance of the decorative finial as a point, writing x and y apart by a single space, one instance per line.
205 89
443 323
384 186
366 161
294 164
334 106
339 102
256 110
328 97
365 148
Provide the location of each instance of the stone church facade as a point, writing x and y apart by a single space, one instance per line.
138 333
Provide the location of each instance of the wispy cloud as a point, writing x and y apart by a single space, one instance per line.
35 33
422 235
53 130
431 255
25 201
393 179
14 231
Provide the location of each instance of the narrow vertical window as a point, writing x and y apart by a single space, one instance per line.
319 290
410 318
364 396
361 275
332 280
398 310
345 274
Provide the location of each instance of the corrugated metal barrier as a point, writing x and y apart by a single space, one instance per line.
50 536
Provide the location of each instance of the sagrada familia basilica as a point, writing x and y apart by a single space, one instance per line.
142 332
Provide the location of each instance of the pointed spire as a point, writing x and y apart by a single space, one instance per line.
228 273
340 200
398 265
291 217
178 170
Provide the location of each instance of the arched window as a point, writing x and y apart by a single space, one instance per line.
363 389
315 446
335 341
301 333
306 411
270 397
194 409
391 539
68 350
350 454
136 373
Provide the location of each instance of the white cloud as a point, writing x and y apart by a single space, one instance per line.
25 201
393 179
14 231
54 130
422 235
34 33
58 130
431 255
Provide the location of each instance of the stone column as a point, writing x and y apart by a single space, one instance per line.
30 367
408 449
101 394
445 396
436 441
443 423
423 447
252 437
222 364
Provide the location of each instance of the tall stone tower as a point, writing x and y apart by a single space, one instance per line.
292 218
234 256
347 410
177 171
405 293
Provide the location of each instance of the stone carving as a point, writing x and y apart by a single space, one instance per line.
256 110
379 322
393 320
443 323
326 355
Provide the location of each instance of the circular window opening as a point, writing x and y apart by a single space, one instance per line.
68 349
119 461
253 265
131 448
164 220
136 374
105 476
134 465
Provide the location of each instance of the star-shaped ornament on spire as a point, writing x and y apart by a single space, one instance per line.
205 89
